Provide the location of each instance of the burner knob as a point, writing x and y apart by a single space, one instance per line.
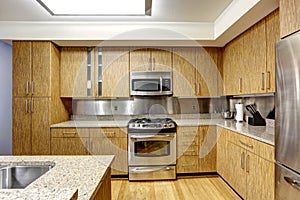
132 125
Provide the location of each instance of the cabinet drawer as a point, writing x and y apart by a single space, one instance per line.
70 132
187 164
107 132
187 150
261 149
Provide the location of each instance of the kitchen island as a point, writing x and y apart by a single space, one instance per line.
72 177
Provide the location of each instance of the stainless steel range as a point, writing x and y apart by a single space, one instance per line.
152 149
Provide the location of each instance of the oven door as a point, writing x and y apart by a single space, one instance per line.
151 149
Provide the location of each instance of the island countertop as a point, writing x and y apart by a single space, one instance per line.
69 177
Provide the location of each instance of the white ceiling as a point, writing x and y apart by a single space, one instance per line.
212 22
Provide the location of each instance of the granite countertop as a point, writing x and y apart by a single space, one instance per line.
71 175
262 133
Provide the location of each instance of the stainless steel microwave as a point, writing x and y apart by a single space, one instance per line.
151 83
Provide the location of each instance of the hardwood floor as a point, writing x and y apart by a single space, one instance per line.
187 188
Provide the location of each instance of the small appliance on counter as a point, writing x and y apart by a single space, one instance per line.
227 114
256 119
239 117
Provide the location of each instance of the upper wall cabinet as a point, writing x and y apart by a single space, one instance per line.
249 60
232 66
208 72
31 69
73 72
289 17
145 59
184 79
115 72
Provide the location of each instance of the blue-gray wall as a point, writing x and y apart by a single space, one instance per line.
5 99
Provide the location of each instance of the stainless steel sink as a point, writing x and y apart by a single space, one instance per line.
13 177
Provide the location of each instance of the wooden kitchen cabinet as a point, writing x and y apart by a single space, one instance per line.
69 141
187 149
73 71
272 37
254 67
111 141
222 158
208 149
184 79
35 94
151 59
232 66
289 17
115 72
249 60
209 80
250 167
196 149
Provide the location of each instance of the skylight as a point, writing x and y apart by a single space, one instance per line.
97 7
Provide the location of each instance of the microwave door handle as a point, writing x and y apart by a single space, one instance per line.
161 82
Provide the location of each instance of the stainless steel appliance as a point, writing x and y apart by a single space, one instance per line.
151 83
152 149
287 131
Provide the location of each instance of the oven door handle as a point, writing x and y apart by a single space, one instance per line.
150 169
152 137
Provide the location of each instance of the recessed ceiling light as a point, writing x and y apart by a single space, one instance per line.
97 7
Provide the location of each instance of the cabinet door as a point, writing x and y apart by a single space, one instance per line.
260 178
232 64
115 73
222 159
21 76
272 34
41 69
184 78
73 74
236 168
289 17
208 77
140 60
21 129
254 59
208 149
40 135
112 146
161 59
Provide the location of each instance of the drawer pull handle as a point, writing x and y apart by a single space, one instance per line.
247 163
242 160
111 133
69 133
245 144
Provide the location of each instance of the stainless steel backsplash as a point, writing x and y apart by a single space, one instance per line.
147 105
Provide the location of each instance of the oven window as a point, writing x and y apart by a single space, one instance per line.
146 85
152 148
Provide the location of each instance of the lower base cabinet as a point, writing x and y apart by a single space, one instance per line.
196 149
92 141
104 188
247 165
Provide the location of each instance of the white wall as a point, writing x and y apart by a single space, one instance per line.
5 99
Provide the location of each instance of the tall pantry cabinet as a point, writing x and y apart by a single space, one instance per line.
36 102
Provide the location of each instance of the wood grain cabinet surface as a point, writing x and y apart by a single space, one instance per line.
151 59
36 102
115 72
73 72
92 141
196 149
249 60
289 17
249 165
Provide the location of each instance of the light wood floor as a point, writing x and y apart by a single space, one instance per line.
184 188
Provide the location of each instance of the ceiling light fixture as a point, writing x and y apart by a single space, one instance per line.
97 7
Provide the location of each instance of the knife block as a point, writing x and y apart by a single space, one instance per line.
256 120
